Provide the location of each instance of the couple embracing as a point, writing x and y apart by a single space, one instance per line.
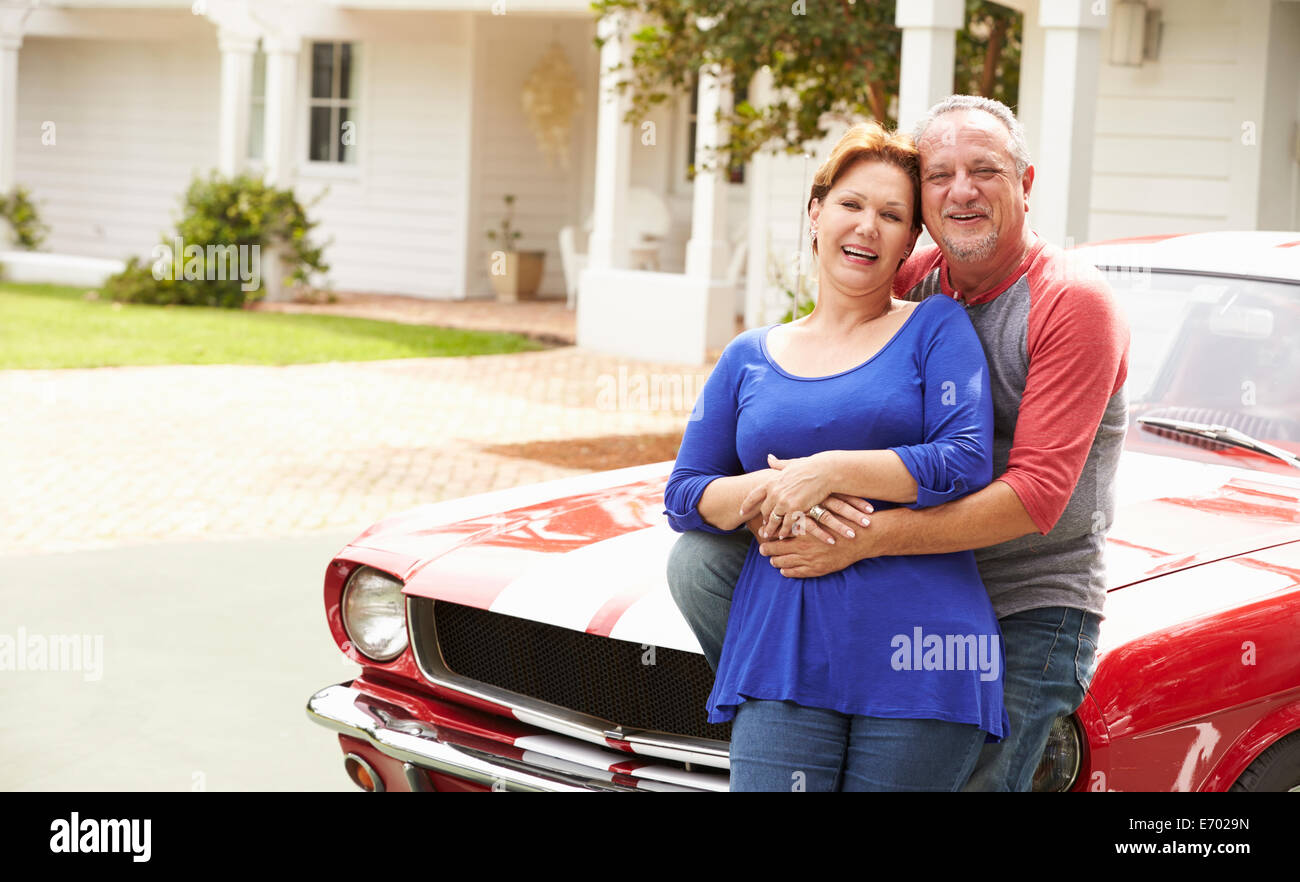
894 508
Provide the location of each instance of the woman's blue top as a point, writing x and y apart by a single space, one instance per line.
906 637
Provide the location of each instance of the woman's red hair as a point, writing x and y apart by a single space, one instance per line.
870 141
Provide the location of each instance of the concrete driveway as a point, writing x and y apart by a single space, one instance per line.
174 523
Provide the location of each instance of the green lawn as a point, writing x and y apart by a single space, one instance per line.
52 326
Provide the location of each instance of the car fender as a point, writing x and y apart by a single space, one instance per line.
1256 739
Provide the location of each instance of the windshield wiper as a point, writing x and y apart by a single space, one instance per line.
1222 434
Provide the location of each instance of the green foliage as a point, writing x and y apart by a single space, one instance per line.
799 286
221 213
802 309
838 57
988 52
507 235
18 209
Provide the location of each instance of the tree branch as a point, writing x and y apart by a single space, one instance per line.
992 55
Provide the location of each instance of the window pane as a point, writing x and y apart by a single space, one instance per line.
259 74
322 69
321 135
345 71
347 136
690 151
256 120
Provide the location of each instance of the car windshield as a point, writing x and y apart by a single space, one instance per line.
1213 349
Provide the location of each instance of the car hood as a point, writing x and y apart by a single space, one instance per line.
588 553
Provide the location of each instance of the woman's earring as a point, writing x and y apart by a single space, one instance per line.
812 232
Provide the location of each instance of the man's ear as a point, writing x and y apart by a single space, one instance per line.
1027 182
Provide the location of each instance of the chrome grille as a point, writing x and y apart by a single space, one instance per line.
598 676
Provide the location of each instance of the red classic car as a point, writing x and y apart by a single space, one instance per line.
526 640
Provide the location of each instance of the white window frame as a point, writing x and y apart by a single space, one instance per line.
334 169
683 182
257 112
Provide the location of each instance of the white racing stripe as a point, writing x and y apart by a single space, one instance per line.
566 748
595 761
570 589
654 620
556 764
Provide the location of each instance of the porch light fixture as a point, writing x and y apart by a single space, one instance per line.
1134 33
550 99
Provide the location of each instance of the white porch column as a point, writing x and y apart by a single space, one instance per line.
651 316
759 179
607 246
12 18
1061 195
1029 103
707 250
282 51
236 96
928 54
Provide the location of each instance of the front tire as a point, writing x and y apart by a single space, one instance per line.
1275 770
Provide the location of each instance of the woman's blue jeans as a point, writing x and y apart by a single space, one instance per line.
783 746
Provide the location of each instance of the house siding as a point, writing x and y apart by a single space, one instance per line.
1171 149
507 158
395 222
133 120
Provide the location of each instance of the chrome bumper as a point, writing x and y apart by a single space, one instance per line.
561 765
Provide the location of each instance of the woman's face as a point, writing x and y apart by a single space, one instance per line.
864 226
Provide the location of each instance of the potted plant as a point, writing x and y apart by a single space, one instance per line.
516 275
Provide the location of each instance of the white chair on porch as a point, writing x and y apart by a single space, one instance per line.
648 221
573 261
648 224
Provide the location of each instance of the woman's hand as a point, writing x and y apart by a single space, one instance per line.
840 511
793 498
783 500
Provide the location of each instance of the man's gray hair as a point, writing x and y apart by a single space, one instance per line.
1003 114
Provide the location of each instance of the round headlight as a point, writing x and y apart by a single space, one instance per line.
1060 763
374 614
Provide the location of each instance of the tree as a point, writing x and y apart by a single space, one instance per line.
838 57
988 52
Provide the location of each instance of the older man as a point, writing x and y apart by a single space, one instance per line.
1058 358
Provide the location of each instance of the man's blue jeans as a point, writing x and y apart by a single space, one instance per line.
1050 653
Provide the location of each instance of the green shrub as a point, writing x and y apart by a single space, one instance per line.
17 208
222 220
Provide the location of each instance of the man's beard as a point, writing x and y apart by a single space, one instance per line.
968 251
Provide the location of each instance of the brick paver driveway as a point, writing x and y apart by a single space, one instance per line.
94 458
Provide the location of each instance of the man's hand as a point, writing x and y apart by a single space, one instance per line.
987 517
800 557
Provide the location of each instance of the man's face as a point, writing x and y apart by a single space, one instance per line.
972 200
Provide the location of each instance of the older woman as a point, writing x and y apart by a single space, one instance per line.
885 675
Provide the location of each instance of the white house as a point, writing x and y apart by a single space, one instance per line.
1143 118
